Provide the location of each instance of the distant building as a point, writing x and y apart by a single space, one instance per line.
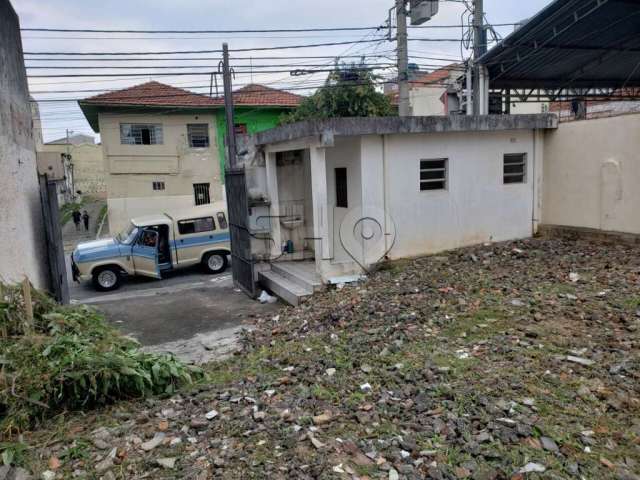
590 109
22 232
431 93
76 139
84 164
163 146
439 93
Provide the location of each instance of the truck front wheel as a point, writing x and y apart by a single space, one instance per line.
106 279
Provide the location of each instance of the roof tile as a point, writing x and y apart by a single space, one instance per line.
159 94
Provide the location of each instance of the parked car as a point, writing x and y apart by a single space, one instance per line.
153 245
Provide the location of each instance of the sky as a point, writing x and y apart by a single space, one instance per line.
59 116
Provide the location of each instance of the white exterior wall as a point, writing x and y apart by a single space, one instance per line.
132 169
427 100
592 173
476 207
345 154
384 181
519 108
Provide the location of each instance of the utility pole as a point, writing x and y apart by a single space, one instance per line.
67 168
403 59
479 49
228 107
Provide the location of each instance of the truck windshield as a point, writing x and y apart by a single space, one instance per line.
128 235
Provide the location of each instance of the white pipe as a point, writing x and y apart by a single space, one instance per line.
470 88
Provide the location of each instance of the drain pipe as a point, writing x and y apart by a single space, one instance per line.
384 192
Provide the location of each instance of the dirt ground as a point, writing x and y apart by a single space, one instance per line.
509 361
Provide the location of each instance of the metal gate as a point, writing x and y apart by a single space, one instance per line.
242 264
59 283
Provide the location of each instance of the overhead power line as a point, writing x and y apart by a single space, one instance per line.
436 84
378 54
266 30
181 74
194 52
253 49
161 67
147 59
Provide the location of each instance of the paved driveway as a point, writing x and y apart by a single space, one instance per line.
191 314
188 313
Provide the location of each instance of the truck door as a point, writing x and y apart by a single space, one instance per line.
144 254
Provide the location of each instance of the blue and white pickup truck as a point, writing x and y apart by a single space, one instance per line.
155 244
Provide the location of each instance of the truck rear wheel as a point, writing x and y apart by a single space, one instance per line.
214 262
106 279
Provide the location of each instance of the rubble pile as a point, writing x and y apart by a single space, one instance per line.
508 361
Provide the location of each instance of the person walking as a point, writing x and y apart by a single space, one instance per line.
85 218
77 216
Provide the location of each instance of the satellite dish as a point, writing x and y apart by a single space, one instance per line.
423 10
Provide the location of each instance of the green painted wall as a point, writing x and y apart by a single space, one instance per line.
257 120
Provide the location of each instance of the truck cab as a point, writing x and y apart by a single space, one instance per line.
153 245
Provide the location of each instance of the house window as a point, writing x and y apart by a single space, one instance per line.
515 168
196 225
342 194
198 134
157 186
201 193
140 134
222 221
240 128
433 174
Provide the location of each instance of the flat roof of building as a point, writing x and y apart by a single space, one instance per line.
398 125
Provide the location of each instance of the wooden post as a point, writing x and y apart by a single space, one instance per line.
28 306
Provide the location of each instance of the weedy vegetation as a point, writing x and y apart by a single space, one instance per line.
55 358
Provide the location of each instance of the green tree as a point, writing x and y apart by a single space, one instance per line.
350 91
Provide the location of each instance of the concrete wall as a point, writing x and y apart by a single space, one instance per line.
383 176
426 100
132 169
345 154
89 174
476 207
22 235
519 108
592 173
294 189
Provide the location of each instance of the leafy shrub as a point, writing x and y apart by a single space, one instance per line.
70 358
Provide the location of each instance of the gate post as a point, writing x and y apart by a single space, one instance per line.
242 263
58 281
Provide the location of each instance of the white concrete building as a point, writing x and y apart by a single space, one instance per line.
339 195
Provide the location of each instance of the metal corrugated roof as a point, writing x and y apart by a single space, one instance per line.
571 43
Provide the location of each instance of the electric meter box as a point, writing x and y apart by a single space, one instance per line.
423 10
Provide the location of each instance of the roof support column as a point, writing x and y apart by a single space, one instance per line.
320 208
272 191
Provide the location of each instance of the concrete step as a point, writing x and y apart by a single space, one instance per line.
300 274
289 291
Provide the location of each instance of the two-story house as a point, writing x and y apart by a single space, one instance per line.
164 146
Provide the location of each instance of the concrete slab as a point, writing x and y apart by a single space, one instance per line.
289 291
302 273
181 314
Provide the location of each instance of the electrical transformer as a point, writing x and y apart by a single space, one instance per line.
423 10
